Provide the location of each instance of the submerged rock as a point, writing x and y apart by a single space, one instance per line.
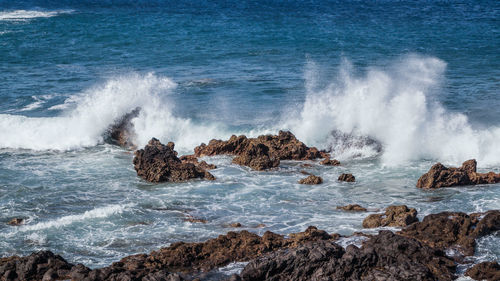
489 271
454 229
122 132
263 152
441 176
397 216
159 163
386 256
352 207
347 178
330 162
16 221
312 179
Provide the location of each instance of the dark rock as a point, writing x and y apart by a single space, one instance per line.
489 271
397 216
454 229
122 132
352 207
159 163
193 160
441 176
347 178
330 162
312 179
263 152
16 221
235 224
386 256
192 219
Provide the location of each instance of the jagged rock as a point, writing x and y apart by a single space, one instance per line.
190 218
330 162
159 163
122 132
347 178
312 179
454 229
193 160
235 224
262 152
386 256
441 176
489 271
352 207
16 221
397 216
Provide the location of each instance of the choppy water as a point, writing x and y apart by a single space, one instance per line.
420 78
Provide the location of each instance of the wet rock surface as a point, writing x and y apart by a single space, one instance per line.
440 176
122 132
193 160
454 229
330 162
489 271
385 256
311 180
159 163
347 178
396 216
352 208
263 152
16 221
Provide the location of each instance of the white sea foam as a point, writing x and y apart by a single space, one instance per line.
39 101
397 108
17 15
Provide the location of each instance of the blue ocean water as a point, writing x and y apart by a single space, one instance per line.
421 78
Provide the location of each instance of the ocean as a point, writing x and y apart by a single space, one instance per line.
389 87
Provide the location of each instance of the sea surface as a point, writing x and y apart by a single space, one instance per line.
390 87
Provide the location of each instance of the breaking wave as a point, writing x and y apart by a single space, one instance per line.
18 15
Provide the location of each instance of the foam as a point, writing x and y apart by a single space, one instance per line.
17 15
397 108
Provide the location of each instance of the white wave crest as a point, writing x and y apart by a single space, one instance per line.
395 107
17 15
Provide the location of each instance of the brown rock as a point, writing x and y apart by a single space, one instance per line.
312 179
122 132
347 178
235 224
159 163
330 162
257 157
352 207
193 160
16 221
454 229
396 216
489 271
441 176
194 220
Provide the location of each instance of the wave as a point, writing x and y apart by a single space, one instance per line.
397 108
18 15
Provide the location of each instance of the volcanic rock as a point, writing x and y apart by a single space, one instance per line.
347 178
330 162
352 207
489 271
441 176
257 157
386 256
193 160
312 179
122 132
159 163
397 216
454 229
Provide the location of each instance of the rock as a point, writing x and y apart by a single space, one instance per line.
261 153
330 162
386 256
122 132
159 163
440 176
489 271
235 224
194 220
352 207
347 178
396 216
16 221
312 179
454 229
193 160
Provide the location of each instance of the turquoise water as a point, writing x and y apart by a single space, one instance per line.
419 78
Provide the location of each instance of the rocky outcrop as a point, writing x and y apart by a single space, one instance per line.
122 132
352 208
440 176
454 229
261 153
312 179
330 162
489 271
396 216
193 160
386 256
159 163
347 178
